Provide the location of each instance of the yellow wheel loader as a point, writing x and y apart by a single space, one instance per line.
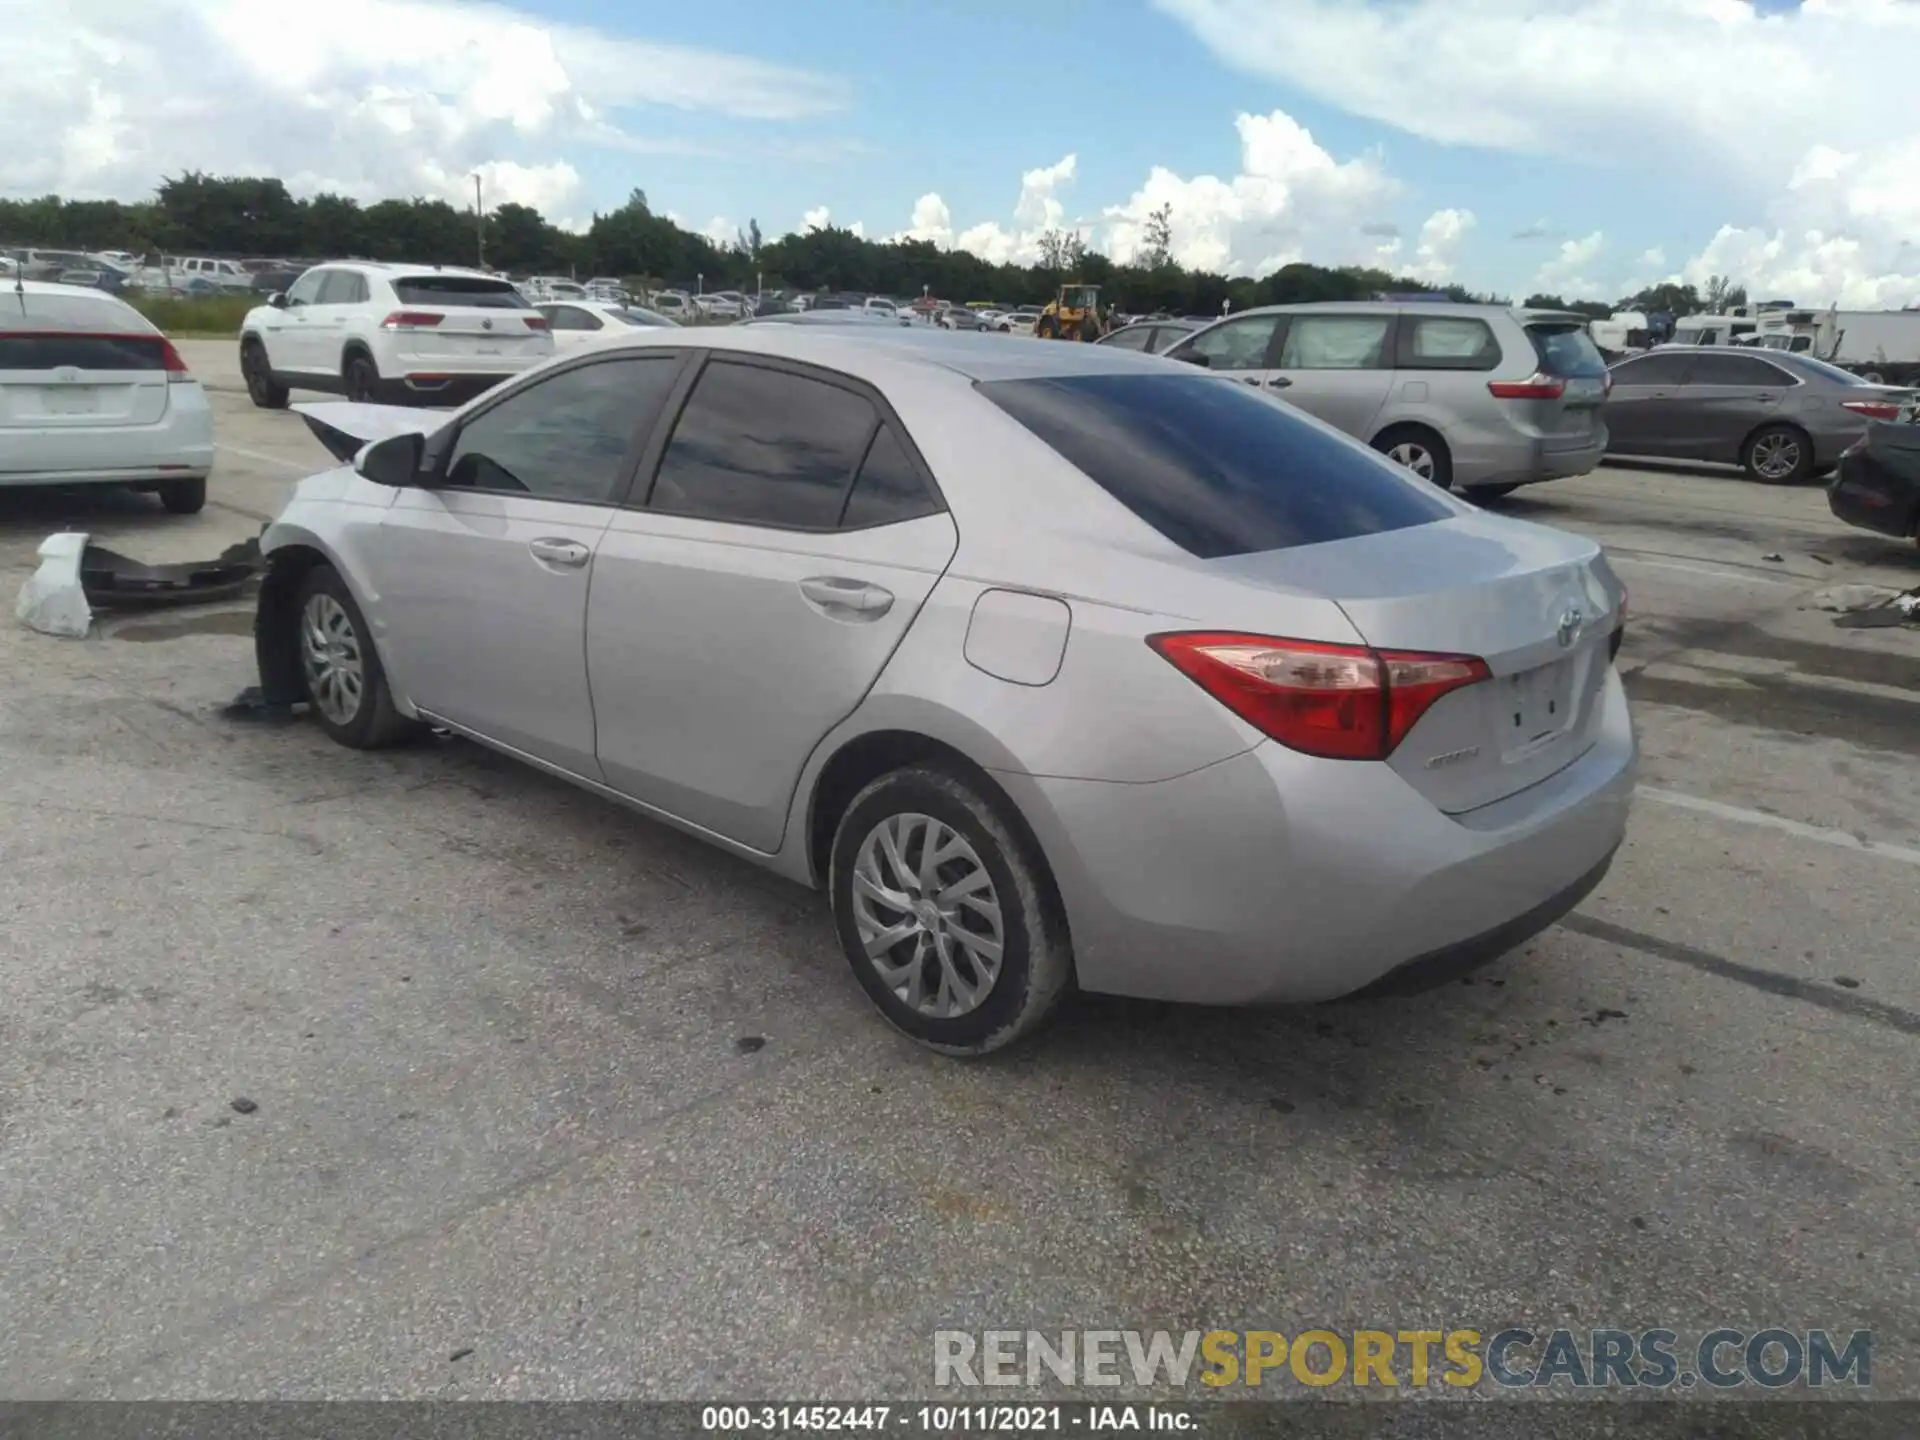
1074 314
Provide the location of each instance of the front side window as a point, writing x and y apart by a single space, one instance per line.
1653 370
566 437
759 446
306 289
1236 344
1336 342
342 287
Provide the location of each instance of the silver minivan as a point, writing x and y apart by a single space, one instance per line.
1485 398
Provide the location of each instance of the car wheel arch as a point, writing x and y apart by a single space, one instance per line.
276 634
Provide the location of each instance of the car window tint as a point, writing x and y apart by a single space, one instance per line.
1723 369
463 290
1446 342
1213 466
1237 344
888 488
337 289
758 446
1335 342
1567 350
565 437
1135 338
1653 370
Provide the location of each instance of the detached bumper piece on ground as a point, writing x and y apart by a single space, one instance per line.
76 578
1877 485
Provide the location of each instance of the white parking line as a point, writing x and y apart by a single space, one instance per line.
279 460
1839 839
1733 576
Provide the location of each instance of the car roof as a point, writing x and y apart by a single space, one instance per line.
391 267
870 352
1395 307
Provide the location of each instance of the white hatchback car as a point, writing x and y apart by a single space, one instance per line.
583 322
92 394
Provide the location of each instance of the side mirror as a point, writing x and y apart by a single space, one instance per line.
1191 357
277 300
393 461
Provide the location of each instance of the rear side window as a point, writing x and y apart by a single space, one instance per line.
1133 339
757 446
1567 351
475 291
57 350
1214 467
1724 369
1336 342
888 489
1446 342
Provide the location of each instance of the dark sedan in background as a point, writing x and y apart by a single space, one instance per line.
1152 336
1780 417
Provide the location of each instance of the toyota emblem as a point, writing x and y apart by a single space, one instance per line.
1571 619
486 324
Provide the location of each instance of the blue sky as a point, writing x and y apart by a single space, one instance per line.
1578 146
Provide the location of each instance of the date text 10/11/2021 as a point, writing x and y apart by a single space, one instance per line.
947 1419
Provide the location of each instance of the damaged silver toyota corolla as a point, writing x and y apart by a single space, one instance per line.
1053 665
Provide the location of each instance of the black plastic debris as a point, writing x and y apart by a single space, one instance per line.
112 581
1895 610
251 707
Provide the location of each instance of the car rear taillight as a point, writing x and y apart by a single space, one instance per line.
1873 409
1534 387
1340 702
174 365
536 322
411 320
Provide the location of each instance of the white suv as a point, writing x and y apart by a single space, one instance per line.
390 334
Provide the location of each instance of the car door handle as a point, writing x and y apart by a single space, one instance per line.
838 595
555 551
1279 382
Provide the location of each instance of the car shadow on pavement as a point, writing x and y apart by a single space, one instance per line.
38 512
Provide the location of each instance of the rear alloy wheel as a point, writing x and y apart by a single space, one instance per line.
1420 451
362 381
946 915
265 391
184 497
345 682
1777 455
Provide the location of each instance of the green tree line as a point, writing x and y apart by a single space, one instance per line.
252 216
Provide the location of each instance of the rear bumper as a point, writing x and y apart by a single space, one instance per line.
1874 496
177 447
432 387
1272 877
1529 459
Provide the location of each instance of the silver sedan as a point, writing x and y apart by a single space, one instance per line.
1051 667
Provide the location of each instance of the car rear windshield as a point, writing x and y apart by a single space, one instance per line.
473 291
1213 467
1831 372
1568 351
55 350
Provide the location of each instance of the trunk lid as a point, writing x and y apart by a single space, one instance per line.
1538 605
70 380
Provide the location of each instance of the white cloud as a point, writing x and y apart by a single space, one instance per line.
1291 201
1841 115
1036 210
818 218
1569 273
1653 259
96 102
1436 251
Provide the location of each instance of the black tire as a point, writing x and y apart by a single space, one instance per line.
1036 957
1490 492
1089 330
183 497
372 723
1777 455
1047 327
360 378
265 391
1419 450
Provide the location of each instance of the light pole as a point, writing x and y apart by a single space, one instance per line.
479 223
